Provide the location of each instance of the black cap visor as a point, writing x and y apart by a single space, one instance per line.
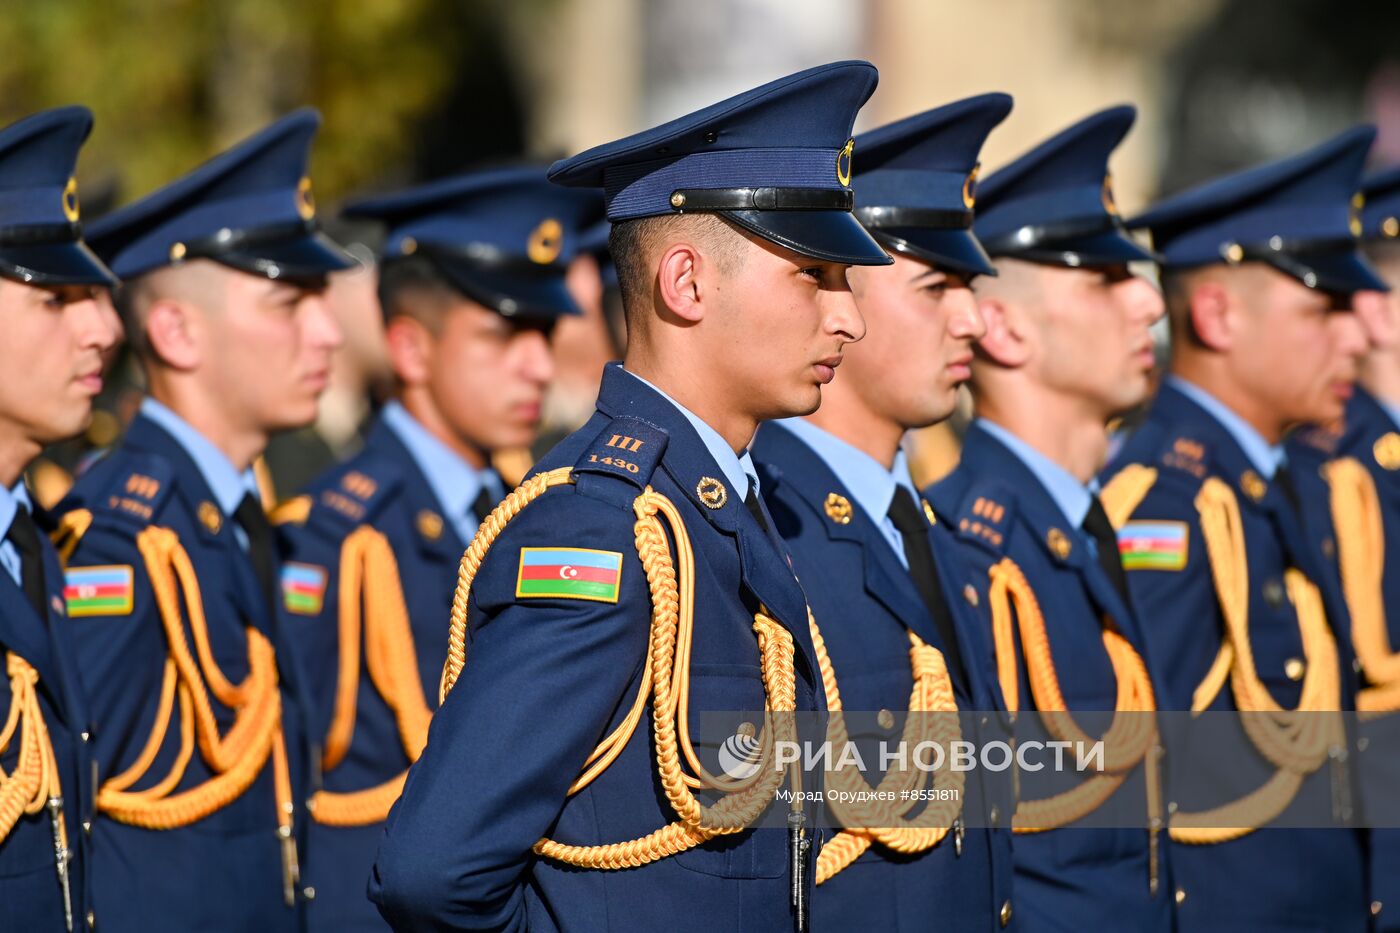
1109 247
831 236
307 257
956 251
515 292
1335 271
69 263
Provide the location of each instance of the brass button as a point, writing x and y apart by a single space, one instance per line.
309 893
885 719
995 815
1273 593
1181 895
970 594
1376 908
1362 744
1294 668
1329 548
87 827
92 920
1005 913
1356 665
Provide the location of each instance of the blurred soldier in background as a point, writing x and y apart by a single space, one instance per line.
1259 268
1066 349
171 565
59 321
472 283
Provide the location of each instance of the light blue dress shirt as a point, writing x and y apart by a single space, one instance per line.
737 468
1072 496
1391 409
11 501
1266 457
870 483
454 481
227 484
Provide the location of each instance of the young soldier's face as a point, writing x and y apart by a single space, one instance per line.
783 322
51 358
487 376
922 323
269 344
1092 336
1300 348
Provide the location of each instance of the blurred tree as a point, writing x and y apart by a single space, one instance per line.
173 81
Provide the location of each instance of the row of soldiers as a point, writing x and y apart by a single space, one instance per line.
410 697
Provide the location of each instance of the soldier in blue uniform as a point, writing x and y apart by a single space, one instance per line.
633 582
1066 349
58 317
1258 268
471 283
881 572
1354 510
200 742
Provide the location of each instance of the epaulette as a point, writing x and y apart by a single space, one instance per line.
293 511
136 491
349 497
984 515
626 449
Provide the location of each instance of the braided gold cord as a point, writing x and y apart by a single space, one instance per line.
372 608
1356 513
665 678
1297 742
882 820
35 778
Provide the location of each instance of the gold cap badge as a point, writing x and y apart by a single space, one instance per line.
70 201
545 242
306 202
843 163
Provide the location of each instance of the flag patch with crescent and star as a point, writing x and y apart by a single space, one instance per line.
569 573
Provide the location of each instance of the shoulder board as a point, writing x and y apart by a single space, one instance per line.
984 516
347 497
627 449
1325 440
136 489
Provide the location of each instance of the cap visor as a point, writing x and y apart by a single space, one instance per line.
1339 272
950 250
1108 248
832 236
70 263
543 296
301 257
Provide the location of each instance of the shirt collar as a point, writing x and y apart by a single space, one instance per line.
737 468
866 478
11 500
1264 456
1391 409
454 481
1072 496
225 482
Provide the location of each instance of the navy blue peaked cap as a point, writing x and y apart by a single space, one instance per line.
1055 203
775 160
249 208
916 182
1380 212
1300 215
40 235
503 237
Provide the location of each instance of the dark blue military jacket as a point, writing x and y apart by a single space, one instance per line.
1072 878
546 679
31 895
1284 879
865 604
1370 436
224 871
382 487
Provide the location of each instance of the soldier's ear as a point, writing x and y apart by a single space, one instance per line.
1003 343
679 270
172 333
410 349
1212 320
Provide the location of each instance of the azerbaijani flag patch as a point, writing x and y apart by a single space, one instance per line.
99 591
1153 545
569 573
303 588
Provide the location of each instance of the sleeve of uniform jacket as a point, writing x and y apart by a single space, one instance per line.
543 680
